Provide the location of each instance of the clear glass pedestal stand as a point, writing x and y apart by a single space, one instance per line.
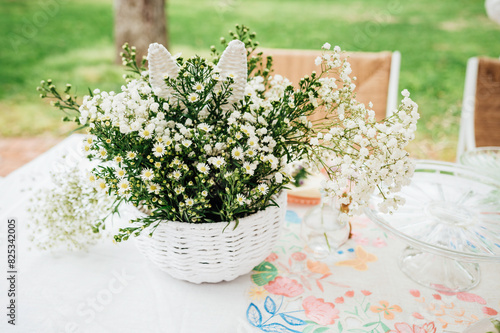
451 222
439 272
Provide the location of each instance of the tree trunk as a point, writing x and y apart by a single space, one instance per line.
139 22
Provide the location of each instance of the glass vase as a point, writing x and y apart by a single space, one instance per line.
323 230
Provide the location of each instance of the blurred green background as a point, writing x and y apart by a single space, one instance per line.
75 44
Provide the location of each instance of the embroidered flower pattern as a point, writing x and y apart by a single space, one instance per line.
272 257
319 311
257 293
406 328
284 286
299 256
387 310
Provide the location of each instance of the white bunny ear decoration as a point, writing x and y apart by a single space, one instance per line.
161 65
233 62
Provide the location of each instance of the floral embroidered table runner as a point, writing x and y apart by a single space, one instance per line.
357 289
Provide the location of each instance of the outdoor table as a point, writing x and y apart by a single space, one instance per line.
112 288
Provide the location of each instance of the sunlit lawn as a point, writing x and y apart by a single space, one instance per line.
72 41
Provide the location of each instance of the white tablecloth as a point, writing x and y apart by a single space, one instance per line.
112 288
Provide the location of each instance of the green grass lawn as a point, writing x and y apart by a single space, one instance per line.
72 41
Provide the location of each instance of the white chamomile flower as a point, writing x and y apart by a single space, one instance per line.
120 173
158 149
240 198
253 141
118 159
198 87
189 202
86 148
273 160
123 186
179 190
217 161
131 155
263 188
147 174
153 188
203 168
246 130
186 143
103 152
193 97
146 133
250 153
91 177
101 185
204 193
237 153
249 168
176 174
205 127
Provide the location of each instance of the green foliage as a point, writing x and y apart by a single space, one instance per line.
164 166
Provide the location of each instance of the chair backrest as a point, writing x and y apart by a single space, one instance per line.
377 74
480 118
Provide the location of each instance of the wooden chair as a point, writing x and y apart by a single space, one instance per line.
480 118
377 74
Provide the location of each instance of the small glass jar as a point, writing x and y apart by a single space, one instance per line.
323 230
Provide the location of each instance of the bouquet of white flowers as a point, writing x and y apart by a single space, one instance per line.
63 212
198 140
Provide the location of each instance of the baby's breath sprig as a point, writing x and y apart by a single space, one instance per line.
68 212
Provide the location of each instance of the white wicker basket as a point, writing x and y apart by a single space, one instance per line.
203 252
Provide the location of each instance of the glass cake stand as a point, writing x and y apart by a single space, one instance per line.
486 159
451 221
